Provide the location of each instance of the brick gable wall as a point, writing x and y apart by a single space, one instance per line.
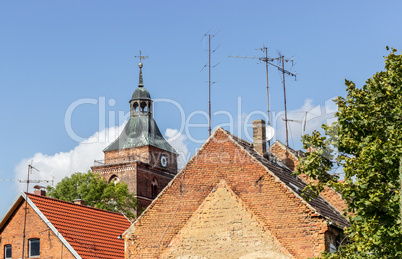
12 233
298 228
223 227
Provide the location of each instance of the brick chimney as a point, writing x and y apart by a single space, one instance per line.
259 136
40 190
79 200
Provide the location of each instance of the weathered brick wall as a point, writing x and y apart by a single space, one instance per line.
128 154
147 154
292 162
295 225
155 159
289 159
145 176
138 177
117 163
126 172
12 233
223 227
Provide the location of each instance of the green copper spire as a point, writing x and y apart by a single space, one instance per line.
141 81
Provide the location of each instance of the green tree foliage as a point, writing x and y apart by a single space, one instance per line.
96 192
366 142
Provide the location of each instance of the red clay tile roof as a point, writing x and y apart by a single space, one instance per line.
91 232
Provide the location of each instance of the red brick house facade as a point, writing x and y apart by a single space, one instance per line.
59 229
229 201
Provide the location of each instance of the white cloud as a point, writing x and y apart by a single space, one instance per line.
304 120
63 164
81 158
178 142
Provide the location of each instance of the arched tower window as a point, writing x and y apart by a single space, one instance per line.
135 106
154 187
143 107
114 179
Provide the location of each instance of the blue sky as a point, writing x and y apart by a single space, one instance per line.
54 54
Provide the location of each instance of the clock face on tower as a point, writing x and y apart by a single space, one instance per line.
163 161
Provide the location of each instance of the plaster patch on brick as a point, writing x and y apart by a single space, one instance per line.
222 227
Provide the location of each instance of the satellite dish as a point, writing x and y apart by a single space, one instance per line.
270 132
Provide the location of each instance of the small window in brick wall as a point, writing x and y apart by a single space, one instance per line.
332 248
114 179
34 247
154 188
7 251
334 245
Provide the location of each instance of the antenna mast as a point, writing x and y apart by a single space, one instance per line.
209 76
30 167
283 60
267 62
209 81
265 49
303 122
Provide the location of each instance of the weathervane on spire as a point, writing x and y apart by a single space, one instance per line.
141 58
141 81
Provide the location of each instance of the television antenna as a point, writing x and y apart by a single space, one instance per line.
209 74
283 60
28 181
30 168
303 122
268 61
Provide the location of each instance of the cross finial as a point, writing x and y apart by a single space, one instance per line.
141 58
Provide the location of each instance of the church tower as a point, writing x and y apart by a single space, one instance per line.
140 156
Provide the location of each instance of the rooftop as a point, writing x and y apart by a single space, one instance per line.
89 232
140 131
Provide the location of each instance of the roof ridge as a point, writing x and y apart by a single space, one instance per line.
72 203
